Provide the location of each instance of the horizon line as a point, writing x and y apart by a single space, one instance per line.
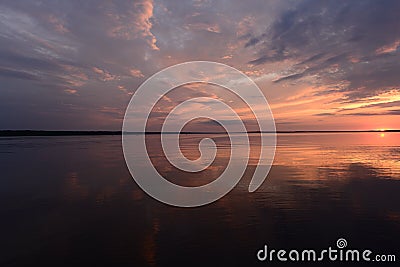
103 132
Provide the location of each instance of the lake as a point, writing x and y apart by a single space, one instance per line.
72 201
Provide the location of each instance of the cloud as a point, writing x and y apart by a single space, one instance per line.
356 38
390 48
10 73
70 91
66 60
105 75
133 22
383 113
58 25
136 73
203 27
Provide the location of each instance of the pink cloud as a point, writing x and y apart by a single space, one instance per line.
135 23
58 25
105 75
136 73
70 91
388 48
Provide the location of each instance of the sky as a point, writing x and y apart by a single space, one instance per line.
322 65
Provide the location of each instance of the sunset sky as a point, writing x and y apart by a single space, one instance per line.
323 65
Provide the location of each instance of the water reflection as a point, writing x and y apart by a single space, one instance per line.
71 200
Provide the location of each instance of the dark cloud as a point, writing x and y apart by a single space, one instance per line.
311 59
292 76
13 59
369 113
314 69
357 38
57 45
325 114
9 73
389 112
74 61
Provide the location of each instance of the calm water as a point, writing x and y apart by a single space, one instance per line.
71 201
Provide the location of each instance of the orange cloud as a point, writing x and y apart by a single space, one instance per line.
388 48
105 75
136 73
70 91
383 98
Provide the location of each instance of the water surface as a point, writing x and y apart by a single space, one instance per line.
71 201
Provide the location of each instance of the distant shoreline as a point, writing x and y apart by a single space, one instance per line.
86 133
